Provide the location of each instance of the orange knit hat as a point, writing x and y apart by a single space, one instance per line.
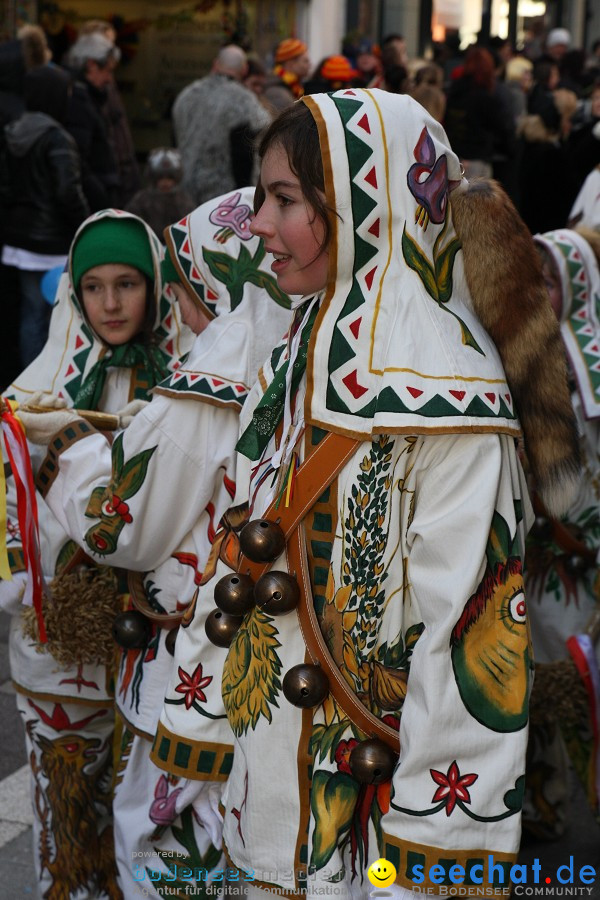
338 68
289 49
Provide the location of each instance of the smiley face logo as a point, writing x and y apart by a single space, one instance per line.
381 873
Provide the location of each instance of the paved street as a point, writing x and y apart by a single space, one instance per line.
16 872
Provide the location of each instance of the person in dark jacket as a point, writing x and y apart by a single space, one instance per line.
89 62
478 124
42 197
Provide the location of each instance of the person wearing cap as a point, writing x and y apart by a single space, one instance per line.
557 43
332 74
113 336
216 120
292 65
163 200
226 294
115 116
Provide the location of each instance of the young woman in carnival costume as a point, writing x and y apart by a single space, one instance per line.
174 468
410 630
562 561
113 336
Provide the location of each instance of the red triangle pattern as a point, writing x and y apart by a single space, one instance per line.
350 93
374 229
458 394
168 321
177 376
491 397
211 295
369 277
508 399
355 327
240 388
186 246
193 378
78 342
195 274
414 392
169 347
351 382
371 177
216 382
70 370
364 124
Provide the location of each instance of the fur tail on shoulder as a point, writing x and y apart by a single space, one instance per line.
509 297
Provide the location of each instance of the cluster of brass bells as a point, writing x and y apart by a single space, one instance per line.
131 630
236 594
305 685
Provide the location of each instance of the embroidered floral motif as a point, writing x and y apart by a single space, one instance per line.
428 182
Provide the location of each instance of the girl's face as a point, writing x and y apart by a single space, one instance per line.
290 228
114 300
191 315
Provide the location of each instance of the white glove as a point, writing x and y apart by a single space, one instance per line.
129 412
11 593
204 796
40 427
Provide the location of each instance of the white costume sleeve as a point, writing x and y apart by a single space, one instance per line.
458 782
160 475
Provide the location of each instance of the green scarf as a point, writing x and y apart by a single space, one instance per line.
269 410
125 356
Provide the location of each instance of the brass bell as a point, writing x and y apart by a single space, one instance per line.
305 685
276 593
131 630
220 627
576 566
262 540
234 594
373 762
170 640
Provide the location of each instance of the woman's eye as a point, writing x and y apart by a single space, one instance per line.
284 201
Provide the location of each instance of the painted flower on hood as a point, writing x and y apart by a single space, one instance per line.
191 685
428 182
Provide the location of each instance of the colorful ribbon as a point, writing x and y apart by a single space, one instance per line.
27 514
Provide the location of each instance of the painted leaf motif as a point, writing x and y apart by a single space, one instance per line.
513 799
333 800
94 507
251 673
417 261
133 475
118 459
388 687
498 546
444 264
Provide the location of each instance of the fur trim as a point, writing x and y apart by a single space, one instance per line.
592 237
504 275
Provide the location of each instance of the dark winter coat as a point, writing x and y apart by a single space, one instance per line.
43 201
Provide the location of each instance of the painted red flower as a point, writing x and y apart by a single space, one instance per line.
342 755
191 685
452 787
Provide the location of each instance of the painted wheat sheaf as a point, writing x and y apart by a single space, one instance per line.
509 297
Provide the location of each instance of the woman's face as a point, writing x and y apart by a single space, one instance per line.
290 228
114 300
191 315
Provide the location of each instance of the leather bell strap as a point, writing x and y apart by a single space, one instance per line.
313 477
318 650
135 582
